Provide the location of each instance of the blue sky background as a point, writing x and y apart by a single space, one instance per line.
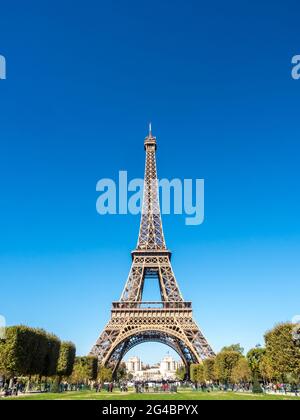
83 81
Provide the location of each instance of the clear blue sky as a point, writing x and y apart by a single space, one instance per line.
83 81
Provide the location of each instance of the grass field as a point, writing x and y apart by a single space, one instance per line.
181 395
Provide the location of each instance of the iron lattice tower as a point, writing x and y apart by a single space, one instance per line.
134 321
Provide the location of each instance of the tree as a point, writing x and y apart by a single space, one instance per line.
197 373
121 372
254 357
209 369
130 376
52 355
256 388
193 372
282 352
241 372
79 374
85 369
23 351
234 347
265 369
180 373
38 352
13 357
225 362
28 351
104 374
66 359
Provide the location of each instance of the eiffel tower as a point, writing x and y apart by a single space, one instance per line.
134 321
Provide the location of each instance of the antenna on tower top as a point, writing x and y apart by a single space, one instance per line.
150 129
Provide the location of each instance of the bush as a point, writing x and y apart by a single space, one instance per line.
256 388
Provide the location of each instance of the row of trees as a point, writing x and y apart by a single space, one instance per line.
31 351
87 369
278 361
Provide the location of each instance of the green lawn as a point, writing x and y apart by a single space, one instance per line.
181 395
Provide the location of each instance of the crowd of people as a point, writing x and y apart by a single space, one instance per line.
281 388
141 387
15 386
269 388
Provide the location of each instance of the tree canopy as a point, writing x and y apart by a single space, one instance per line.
282 352
28 351
66 359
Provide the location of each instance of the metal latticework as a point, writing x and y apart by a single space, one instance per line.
133 321
151 232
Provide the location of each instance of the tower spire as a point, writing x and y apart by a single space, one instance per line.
151 235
